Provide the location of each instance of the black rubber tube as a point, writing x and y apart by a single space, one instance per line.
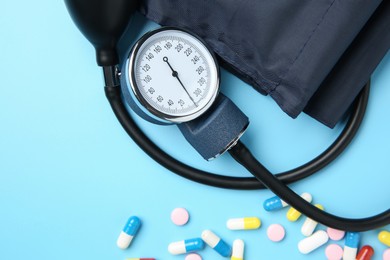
243 183
242 155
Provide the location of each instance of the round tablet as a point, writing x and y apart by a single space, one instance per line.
180 216
386 254
275 232
335 234
334 252
193 257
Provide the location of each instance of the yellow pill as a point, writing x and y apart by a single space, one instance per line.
384 237
293 214
243 223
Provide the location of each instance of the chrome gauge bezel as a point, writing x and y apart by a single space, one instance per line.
142 101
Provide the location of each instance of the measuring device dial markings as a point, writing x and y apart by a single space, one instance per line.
173 75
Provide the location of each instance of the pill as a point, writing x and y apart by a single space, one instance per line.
309 225
313 242
243 223
293 214
365 253
386 254
275 232
186 246
351 245
384 237
274 203
129 231
238 250
216 243
334 252
193 257
180 216
335 234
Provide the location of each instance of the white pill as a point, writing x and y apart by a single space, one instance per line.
313 242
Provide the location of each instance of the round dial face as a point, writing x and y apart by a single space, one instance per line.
173 75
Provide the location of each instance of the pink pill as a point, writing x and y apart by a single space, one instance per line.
193 257
275 232
334 252
386 254
335 234
180 216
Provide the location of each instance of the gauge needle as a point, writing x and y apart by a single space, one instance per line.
176 75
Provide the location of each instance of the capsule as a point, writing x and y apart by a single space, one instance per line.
293 214
384 237
216 243
243 223
309 225
351 245
129 231
313 242
274 203
365 253
186 246
238 250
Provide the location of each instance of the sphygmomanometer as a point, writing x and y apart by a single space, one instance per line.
171 76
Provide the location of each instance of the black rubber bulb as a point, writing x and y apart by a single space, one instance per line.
102 22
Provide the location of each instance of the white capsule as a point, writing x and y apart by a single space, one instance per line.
238 250
309 225
313 242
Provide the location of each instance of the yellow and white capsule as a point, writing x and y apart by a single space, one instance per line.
309 225
238 250
243 223
293 214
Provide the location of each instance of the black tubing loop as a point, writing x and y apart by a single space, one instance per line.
242 155
275 182
113 95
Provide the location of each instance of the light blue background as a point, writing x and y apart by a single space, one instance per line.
70 176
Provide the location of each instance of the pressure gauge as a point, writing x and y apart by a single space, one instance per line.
172 75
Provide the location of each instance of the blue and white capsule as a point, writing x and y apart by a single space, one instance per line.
274 203
351 245
186 246
215 242
129 231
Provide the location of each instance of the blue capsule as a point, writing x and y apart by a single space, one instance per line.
351 245
274 203
129 231
186 246
215 242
